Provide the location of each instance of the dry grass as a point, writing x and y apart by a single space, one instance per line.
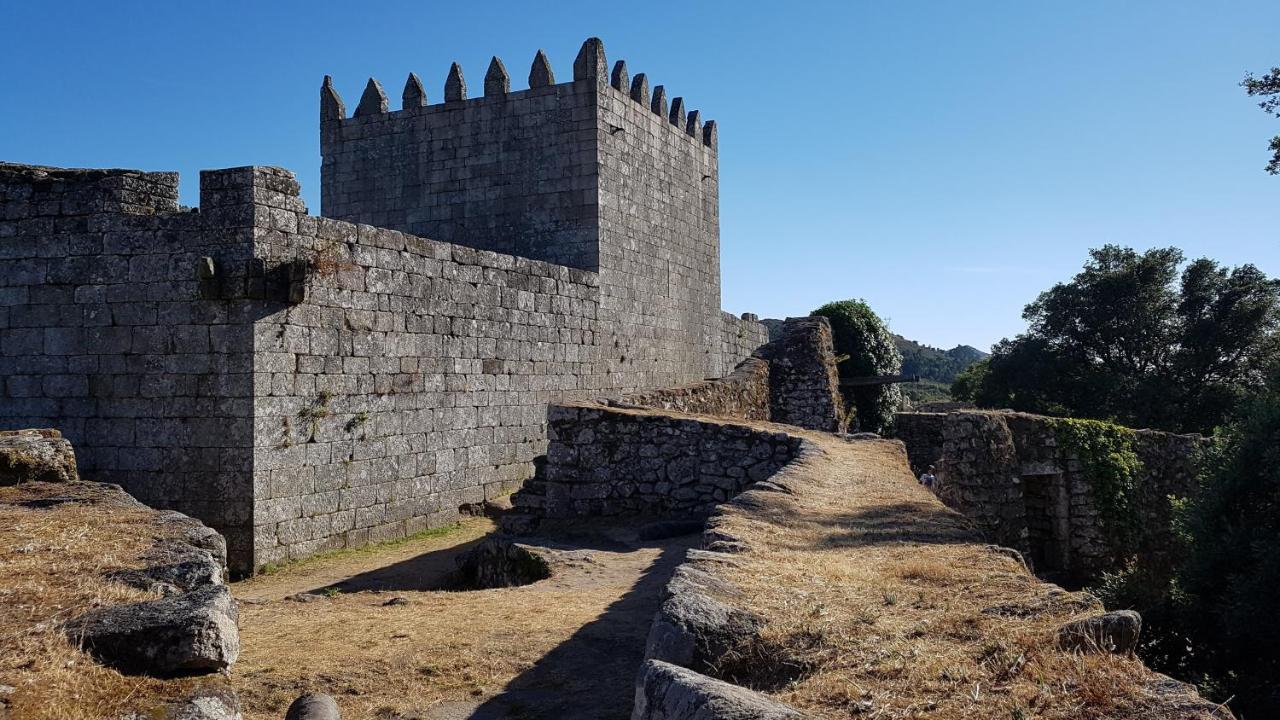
55 564
399 661
875 595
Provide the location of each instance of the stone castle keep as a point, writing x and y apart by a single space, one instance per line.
305 383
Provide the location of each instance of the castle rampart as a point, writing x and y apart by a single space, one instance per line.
305 383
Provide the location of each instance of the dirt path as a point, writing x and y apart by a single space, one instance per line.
565 647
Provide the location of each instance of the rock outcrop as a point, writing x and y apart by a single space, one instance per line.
668 692
35 456
191 633
1115 632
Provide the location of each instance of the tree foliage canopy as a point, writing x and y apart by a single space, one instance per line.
1132 339
1228 583
1267 87
868 347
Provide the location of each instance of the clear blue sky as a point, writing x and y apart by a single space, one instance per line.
946 161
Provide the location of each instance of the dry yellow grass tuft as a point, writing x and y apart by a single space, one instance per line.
55 558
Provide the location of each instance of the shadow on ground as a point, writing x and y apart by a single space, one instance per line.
433 570
591 675
913 522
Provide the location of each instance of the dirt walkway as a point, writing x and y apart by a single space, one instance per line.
566 647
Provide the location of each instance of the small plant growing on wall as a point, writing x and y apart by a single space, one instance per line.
313 413
356 422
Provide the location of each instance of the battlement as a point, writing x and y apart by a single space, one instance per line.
533 172
62 192
589 70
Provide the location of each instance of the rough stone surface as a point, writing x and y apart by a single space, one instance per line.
1115 632
313 706
186 634
1006 471
179 566
668 692
743 394
611 461
36 456
804 387
498 562
694 630
206 705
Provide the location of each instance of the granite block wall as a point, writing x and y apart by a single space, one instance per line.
406 378
514 173
1008 472
103 338
605 461
596 173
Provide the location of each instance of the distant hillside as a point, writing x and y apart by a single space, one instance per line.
932 363
937 368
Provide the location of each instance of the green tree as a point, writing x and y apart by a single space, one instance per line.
866 344
1268 88
1132 339
1229 581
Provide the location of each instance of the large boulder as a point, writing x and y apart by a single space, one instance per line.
1115 632
186 634
668 692
35 456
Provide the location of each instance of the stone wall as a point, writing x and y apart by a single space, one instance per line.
410 377
743 394
921 432
304 383
740 337
1008 472
606 461
515 173
103 338
594 173
300 383
804 388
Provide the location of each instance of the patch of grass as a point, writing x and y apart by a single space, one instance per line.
57 561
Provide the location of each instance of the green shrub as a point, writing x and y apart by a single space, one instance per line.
863 337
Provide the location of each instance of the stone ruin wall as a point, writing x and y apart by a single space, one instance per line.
1007 472
628 458
313 384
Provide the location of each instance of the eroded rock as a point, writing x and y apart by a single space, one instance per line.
668 692
694 630
35 456
1115 632
206 705
192 633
